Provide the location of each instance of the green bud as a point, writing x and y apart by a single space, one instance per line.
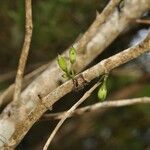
62 63
72 55
102 93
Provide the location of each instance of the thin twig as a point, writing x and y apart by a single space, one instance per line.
68 113
25 49
97 106
143 21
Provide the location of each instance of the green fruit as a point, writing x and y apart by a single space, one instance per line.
72 55
102 93
62 63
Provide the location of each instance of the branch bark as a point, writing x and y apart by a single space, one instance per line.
143 21
25 50
98 106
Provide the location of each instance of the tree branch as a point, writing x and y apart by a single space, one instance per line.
82 44
143 21
98 106
68 113
25 50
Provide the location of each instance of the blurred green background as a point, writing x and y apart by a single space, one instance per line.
57 24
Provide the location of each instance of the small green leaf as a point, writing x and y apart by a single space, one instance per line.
72 55
62 63
102 92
